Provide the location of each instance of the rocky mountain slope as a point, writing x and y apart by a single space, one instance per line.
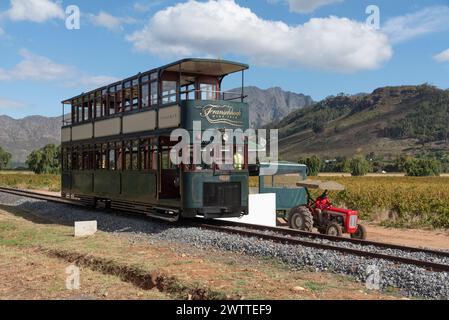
390 121
20 137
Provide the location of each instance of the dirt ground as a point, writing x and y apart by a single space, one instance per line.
34 255
436 239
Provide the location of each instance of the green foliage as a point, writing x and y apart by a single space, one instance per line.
427 121
317 116
313 163
360 166
5 157
45 160
422 167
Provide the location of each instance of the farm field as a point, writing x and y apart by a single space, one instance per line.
405 202
47 182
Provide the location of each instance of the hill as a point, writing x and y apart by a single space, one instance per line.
389 121
21 136
272 104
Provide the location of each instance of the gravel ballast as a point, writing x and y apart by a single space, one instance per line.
410 280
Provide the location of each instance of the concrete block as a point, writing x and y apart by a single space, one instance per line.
85 228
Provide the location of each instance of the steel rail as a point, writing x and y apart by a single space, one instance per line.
433 266
312 235
286 236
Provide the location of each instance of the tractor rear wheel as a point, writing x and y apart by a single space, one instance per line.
360 233
334 229
300 218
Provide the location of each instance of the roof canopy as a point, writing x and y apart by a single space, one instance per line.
208 67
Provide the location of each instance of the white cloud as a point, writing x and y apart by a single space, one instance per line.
442 57
2 32
412 25
306 6
37 68
146 6
34 10
106 20
10 104
223 27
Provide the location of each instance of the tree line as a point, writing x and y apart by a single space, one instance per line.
46 160
361 165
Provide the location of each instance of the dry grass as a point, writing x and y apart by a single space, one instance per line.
47 182
225 274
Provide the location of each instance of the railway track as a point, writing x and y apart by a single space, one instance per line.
294 237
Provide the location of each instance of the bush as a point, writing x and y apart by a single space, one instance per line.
423 167
45 160
360 166
313 164
5 157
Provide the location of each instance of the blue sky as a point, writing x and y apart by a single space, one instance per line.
315 47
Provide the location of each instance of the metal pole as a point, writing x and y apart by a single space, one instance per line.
243 84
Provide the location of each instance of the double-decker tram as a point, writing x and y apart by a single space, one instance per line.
116 143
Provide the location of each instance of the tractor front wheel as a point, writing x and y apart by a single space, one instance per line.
360 233
334 229
300 218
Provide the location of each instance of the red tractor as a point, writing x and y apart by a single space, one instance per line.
321 214
296 206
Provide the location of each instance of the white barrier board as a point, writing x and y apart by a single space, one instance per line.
262 210
85 228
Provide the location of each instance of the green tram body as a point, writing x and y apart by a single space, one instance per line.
116 144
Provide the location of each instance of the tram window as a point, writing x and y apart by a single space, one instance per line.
144 154
154 93
166 162
153 76
69 161
128 158
168 91
79 111
97 157
80 159
86 159
111 101
104 156
98 110
127 99
145 79
74 159
145 95
135 155
118 98
104 102
74 111
119 156
208 91
112 157
85 109
188 92
135 97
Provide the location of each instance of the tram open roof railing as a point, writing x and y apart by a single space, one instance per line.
210 67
